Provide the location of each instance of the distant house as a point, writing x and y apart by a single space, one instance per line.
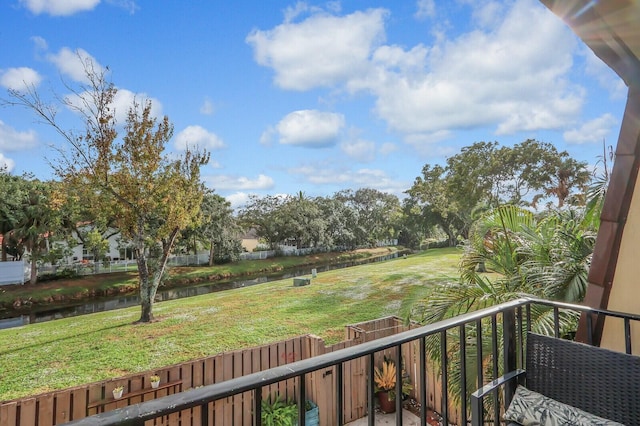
117 250
249 240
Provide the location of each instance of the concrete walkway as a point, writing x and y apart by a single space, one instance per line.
408 419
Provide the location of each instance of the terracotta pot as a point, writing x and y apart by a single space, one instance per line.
386 405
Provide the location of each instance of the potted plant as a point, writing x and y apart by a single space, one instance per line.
385 385
312 414
117 392
276 412
155 381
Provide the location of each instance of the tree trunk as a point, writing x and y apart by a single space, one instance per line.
211 252
452 237
96 266
146 293
34 270
150 280
146 314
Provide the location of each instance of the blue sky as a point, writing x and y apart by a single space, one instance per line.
315 96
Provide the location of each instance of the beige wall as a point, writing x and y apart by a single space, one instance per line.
249 244
625 292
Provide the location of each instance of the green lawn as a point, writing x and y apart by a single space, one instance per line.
42 357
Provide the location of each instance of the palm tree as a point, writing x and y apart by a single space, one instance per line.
38 220
598 188
546 257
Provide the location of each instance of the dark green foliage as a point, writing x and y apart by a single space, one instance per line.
484 176
61 274
276 412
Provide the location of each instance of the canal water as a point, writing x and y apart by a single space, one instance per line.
41 314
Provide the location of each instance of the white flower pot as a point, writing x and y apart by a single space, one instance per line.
117 393
155 384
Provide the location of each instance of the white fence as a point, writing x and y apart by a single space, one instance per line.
107 267
257 255
13 272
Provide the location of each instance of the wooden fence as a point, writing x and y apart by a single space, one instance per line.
70 404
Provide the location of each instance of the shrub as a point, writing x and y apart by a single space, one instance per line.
276 412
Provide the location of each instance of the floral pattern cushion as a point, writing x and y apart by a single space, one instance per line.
530 408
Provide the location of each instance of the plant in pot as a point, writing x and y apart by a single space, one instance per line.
155 381
117 391
276 412
312 414
385 385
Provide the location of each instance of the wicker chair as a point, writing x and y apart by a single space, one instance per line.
596 380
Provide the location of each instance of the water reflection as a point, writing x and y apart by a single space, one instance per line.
15 319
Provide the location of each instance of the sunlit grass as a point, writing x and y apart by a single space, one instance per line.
53 355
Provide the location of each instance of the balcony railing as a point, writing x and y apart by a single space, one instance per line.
482 343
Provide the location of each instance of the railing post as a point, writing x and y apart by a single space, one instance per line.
302 399
477 411
463 373
339 395
371 391
204 415
445 376
399 379
509 334
423 379
257 406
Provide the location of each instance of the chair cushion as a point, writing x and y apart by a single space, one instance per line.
533 409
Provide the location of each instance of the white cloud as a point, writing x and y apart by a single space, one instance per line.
72 63
325 174
123 101
502 77
495 75
40 43
128 5
266 138
594 131
488 14
6 163
387 148
322 50
197 136
13 140
20 78
207 107
238 183
606 77
238 200
59 7
426 9
301 7
310 128
359 149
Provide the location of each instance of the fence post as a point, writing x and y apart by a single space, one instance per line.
510 359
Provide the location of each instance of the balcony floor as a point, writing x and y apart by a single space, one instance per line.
408 419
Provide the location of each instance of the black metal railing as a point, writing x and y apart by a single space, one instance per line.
500 329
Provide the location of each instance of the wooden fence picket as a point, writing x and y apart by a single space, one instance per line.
75 403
